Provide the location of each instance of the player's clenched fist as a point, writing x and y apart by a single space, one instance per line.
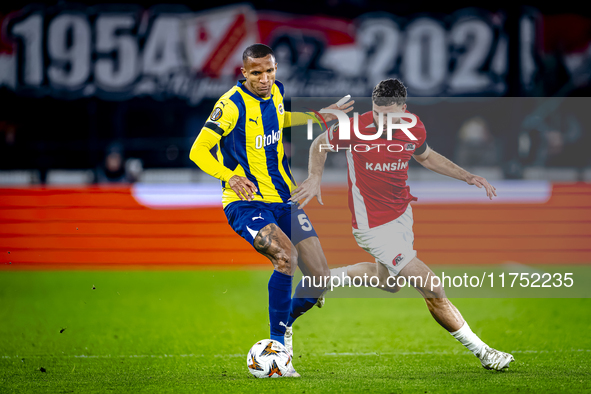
243 187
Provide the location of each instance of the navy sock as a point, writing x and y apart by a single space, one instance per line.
279 304
303 299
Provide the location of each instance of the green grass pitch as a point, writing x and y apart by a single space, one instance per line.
189 331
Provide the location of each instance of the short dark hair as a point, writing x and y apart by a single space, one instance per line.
256 51
389 92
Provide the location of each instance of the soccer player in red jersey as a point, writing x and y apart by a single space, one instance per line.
379 202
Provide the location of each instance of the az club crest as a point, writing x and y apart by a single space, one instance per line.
398 259
409 147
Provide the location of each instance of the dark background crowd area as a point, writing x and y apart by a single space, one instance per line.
49 132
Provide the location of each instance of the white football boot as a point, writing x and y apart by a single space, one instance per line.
320 301
292 372
288 340
493 359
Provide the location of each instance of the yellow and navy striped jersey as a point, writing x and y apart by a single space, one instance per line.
250 141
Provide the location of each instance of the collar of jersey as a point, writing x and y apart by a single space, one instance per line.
241 86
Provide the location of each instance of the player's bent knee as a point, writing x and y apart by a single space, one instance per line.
390 285
386 280
271 240
263 242
384 275
274 244
282 262
436 293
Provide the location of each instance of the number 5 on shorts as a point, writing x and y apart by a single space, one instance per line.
304 222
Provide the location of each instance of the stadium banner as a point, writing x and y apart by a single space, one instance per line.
544 228
117 52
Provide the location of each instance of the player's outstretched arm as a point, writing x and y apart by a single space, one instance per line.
201 155
301 118
442 165
311 186
345 107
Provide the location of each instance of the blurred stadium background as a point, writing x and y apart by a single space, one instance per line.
101 104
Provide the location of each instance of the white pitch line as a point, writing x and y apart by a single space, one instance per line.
355 354
451 353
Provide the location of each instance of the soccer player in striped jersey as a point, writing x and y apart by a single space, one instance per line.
247 125
379 200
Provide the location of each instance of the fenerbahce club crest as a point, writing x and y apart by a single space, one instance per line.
280 108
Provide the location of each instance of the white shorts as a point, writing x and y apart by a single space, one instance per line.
391 244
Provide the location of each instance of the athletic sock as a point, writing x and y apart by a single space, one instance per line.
469 339
303 299
341 273
279 304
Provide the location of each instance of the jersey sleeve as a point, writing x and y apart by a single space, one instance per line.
421 149
220 123
201 155
298 118
420 133
223 118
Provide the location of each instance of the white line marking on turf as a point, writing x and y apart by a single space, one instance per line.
448 353
308 354
125 356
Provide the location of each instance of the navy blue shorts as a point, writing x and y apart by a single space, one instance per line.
248 217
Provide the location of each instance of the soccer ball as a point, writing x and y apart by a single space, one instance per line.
268 359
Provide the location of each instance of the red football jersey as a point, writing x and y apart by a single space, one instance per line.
377 170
